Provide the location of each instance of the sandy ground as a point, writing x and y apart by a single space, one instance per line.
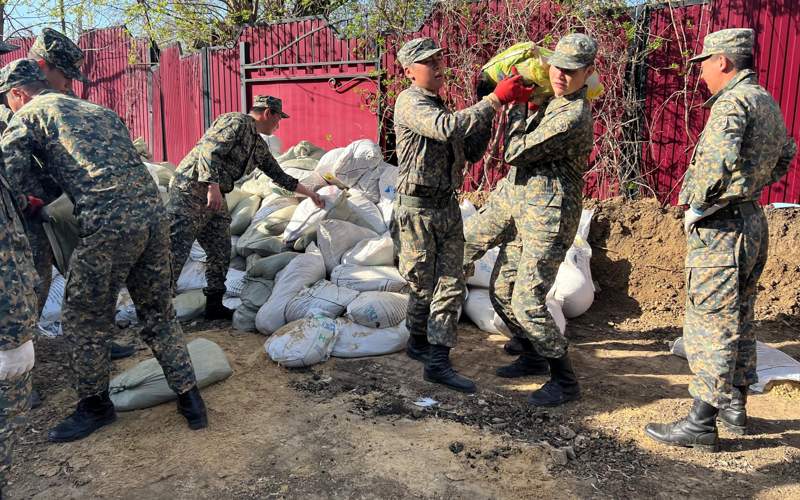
349 428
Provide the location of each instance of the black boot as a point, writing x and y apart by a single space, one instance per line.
91 414
528 363
562 386
214 307
418 348
698 430
119 351
513 347
191 406
439 370
734 416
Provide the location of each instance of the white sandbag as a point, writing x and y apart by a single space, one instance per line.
274 143
257 183
386 207
304 342
189 305
478 309
145 385
263 237
308 215
234 282
335 237
192 277
303 149
244 319
387 183
196 253
161 174
378 309
323 298
369 183
50 319
304 270
368 278
360 158
364 212
327 164
377 251
271 204
573 287
483 269
243 213
308 178
269 267
467 209
356 341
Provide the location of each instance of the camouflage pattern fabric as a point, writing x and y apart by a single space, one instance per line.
192 220
59 51
14 404
17 320
431 248
87 151
744 147
728 41
433 145
5 117
574 51
43 260
228 150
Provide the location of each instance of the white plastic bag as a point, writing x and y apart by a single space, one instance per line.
483 269
307 215
323 298
467 209
366 279
304 342
364 212
378 309
387 183
377 251
335 237
355 341
304 270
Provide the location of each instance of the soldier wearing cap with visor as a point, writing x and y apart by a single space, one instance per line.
230 149
433 145
743 148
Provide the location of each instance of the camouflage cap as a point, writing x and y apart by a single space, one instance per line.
733 41
18 73
574 51
6 47
59 51
271 103
417 50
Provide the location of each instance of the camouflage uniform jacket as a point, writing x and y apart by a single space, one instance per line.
743 147
18 303
554 143
231 148
5 117
433 143
87 151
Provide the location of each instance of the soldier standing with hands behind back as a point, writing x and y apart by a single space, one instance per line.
433 145
743 148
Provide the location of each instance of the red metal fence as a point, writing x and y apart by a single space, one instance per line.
328 83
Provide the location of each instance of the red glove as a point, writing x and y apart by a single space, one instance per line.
34 205
512 90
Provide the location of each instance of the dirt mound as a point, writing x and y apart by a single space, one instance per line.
639 249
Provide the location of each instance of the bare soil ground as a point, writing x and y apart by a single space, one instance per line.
349 428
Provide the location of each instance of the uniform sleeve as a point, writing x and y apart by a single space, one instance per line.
19 144
476 143
215 147
550 136
787 155
265 162
717 153
423 117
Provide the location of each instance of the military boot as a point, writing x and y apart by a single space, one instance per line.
528 363
562 386
697 430
192 407
734 416
119 351
91 414
214 307
439 370
418 348
513 347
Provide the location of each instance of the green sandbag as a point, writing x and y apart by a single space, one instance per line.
268 267
144 385
275 223
61 228
256 292
189 305
234 197
305 239
243 214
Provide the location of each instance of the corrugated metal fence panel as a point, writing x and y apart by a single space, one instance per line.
191 79
225 81
24 45
674 111
325 82
158 146
170 72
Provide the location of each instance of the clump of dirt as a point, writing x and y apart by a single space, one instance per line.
639 250
785 389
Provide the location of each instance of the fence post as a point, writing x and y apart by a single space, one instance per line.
243 75
206 87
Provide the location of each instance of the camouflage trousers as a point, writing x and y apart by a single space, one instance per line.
14 403
135 253
534 228
726 255
430 245
42 260
192 220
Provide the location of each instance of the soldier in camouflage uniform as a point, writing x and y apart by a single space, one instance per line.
534 215
86 150
17 325
433 145
743 148
231 148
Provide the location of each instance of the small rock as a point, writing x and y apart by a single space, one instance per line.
566 432
559 456
47 471
456 447
581 441
570 452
